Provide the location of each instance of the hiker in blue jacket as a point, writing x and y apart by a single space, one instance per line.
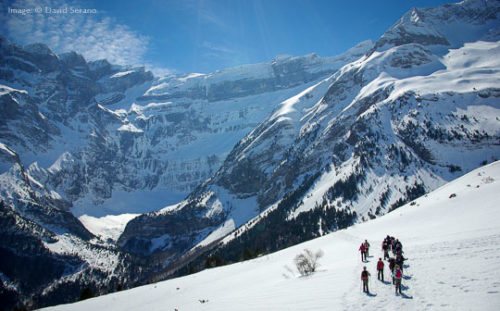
397 276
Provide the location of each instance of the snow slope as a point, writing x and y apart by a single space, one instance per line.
108 227
452 242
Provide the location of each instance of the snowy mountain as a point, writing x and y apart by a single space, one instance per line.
269 155
115 140
419 109
103 143
450 239
45 103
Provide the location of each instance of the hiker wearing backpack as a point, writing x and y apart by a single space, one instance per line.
364 278
393 246
400 260
362 249
397 276
392 264
385 248
380 269
398 247
367 247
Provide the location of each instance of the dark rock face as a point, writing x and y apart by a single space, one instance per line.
181 229
248 80
58 99
124 82
24 255
52 96
44 247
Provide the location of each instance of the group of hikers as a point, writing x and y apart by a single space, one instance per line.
389 244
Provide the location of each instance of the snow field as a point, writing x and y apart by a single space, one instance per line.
452 244
108 227
103 259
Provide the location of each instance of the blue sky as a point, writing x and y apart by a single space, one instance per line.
202 35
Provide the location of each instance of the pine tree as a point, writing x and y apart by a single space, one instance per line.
86 294
247 254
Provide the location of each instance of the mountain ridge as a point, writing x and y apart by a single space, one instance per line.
418 104
79 138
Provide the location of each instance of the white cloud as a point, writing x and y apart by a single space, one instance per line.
159 71
218 48
95 36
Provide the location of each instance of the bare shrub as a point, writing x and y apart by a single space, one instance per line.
307 261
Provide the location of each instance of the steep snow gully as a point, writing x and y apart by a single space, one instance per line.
450 236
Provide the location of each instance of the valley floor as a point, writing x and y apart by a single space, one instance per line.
452 244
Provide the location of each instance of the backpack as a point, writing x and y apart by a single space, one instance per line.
364 275
380 265
399 274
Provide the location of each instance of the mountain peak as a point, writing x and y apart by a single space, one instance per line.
447 26
38 48
73 59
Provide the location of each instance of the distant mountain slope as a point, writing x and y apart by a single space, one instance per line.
450 236
47 255
47 110
103 135
80 137
418 110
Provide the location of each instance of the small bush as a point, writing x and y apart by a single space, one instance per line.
307 262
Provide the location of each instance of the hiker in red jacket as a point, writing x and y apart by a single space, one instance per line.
380 269
364 278
362 249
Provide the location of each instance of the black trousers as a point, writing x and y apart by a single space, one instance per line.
363 256
381 275
398 285
365 286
